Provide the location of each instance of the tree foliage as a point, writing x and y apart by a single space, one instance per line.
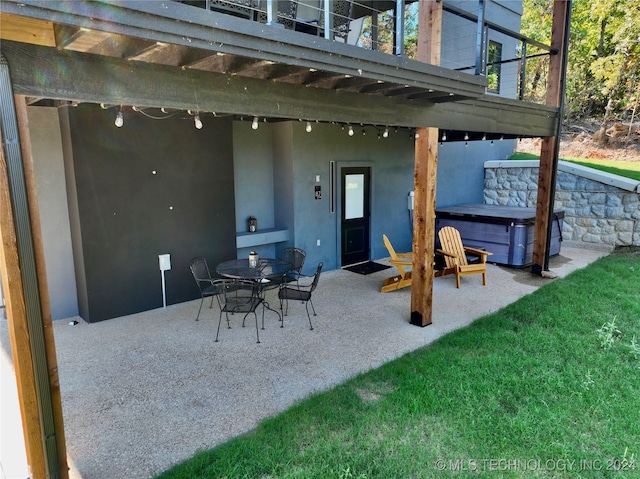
603 70
386 27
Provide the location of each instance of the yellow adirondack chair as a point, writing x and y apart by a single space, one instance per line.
400 261
455 256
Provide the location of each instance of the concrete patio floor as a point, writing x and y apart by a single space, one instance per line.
145 391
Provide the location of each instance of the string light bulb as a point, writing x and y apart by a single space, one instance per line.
466 136
385 133
197 122
444 136
119 119
350 130
308 127
254 123
417 134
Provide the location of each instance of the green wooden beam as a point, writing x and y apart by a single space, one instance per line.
63 75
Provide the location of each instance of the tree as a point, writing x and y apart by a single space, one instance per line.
617 69
386 28
603 71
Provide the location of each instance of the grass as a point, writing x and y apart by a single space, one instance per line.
546 387
628 169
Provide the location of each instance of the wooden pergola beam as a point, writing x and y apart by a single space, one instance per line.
551 144
35 72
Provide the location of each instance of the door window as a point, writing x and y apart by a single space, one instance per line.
354 196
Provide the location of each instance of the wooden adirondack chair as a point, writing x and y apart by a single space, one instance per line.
455 256
400 261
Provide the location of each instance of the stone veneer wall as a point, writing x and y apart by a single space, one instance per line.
598 207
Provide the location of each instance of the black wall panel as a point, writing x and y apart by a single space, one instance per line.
148 188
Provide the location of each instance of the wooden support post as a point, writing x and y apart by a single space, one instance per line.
43 289
544 205
425 175
426 165
25 288
429 32
19 330
551 144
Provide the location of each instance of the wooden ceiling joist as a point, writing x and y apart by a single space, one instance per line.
403 90
80 39
378 86
162 53
450 98
152 52
353 83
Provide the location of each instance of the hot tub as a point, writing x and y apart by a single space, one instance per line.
505 231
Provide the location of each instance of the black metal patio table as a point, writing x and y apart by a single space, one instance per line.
266 270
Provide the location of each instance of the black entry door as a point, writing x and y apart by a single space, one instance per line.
355 215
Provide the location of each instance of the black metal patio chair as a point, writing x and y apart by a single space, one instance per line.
206 284
300 292
242 297
294 256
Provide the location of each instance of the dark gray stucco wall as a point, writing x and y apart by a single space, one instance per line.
254 180
460 181
46 146
299 158
148 188
461 169
391 163
283 184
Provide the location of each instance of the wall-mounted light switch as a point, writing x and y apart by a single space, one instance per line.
317 178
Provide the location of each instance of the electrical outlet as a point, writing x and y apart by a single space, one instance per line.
165 262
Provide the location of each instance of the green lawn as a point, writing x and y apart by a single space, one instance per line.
628 169
546 387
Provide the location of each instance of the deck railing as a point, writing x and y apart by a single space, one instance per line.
344 17
515 66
